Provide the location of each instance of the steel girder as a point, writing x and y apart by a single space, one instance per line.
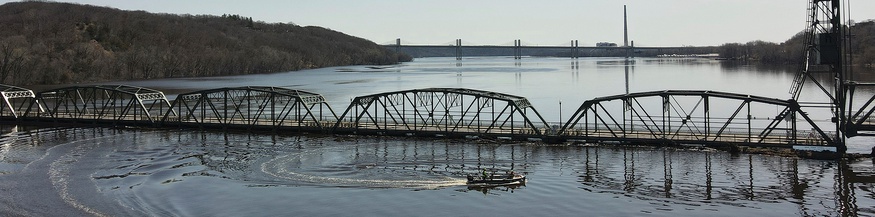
251 106
861 122
100 102
11 94
694 117
455 111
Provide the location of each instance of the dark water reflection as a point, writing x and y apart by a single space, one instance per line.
137 172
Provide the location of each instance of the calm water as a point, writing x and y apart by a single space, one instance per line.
135 172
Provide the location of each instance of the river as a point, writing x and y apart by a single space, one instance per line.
96 171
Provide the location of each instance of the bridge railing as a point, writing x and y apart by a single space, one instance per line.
516 128
731 135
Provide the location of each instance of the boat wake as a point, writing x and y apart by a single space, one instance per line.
283 167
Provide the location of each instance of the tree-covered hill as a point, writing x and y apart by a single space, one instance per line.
791 51
57 43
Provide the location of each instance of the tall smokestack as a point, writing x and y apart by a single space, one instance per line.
625 29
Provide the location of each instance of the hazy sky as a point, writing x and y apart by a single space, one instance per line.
499 22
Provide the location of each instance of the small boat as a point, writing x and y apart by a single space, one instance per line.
496 179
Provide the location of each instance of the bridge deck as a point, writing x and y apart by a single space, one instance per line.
512 133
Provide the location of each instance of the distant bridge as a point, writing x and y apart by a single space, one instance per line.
518 51
538 47
661 117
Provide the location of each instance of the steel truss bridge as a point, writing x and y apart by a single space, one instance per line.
271 108
694 117
443 112
660 117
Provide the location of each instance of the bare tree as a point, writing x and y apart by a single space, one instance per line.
12 58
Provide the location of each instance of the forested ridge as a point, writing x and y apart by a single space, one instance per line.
61 43
791 51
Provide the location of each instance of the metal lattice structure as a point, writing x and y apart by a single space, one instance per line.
861 122
14 99
694 117
826 52
114 103
251 107
825 44
443 111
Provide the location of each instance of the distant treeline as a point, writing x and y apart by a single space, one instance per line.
791 51
58 43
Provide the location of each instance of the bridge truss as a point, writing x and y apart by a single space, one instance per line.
14 99
251 107
827 52
443 111
114 103
861 122
694 117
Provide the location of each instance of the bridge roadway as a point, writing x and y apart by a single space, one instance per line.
351 128
460 51
431 112
534 47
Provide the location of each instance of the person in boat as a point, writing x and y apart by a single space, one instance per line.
485 175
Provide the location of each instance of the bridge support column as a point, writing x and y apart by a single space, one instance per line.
517 49
630 52
575 48
458 49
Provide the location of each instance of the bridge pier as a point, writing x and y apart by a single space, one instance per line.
630 51
517 49
575 49
458 49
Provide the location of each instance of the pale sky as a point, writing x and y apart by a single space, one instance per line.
500 22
